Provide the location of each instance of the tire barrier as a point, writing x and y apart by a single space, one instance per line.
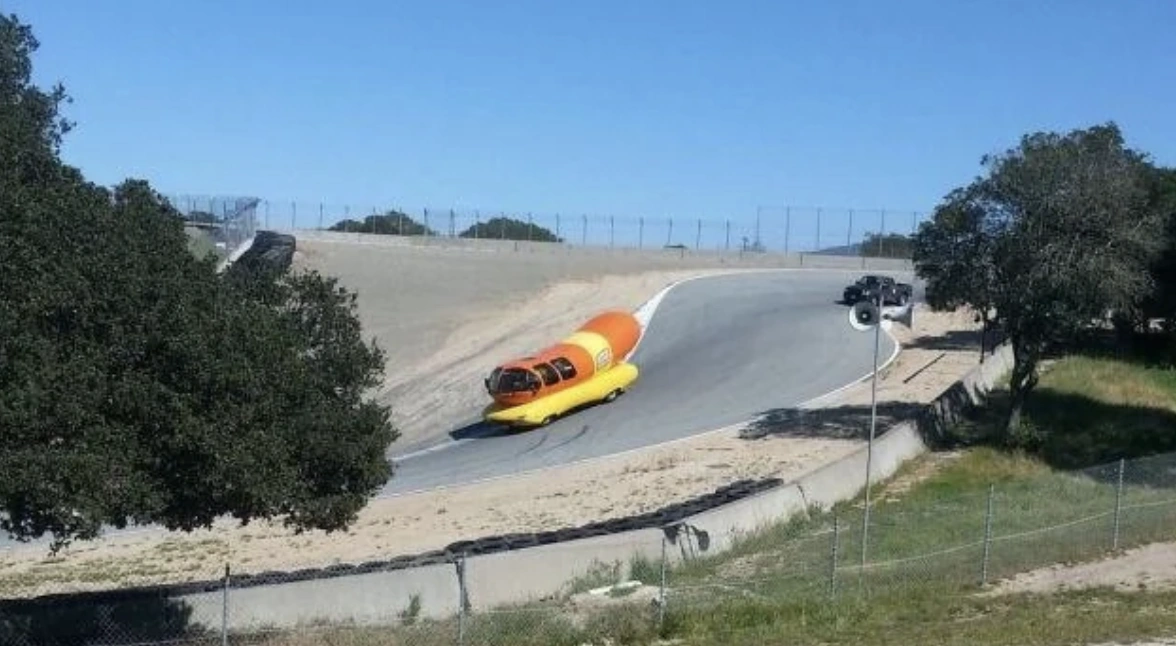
269 248
656 519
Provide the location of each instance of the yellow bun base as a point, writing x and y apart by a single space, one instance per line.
545 409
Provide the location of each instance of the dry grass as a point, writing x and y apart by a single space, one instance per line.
1094 409
1113 381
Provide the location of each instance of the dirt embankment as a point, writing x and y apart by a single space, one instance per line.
445 316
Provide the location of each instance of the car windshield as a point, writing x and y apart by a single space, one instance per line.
511 380
869 281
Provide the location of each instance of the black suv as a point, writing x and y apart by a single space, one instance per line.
870 286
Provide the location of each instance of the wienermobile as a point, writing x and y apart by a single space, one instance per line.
587 367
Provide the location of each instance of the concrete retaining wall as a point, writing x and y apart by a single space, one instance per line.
846 478
715 530
972 390
504 578
694 256
371 597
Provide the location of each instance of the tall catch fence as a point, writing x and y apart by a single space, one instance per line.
787 229
921 542
228 222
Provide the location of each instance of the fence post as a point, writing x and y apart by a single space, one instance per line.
833 557
461 599
225 610
787 227
987 536
661 595
818 247
1118 503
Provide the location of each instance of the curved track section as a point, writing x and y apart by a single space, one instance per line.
717 351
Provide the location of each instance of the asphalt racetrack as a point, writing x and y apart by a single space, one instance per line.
718 351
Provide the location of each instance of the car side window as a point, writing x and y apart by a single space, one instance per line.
565 367
550 376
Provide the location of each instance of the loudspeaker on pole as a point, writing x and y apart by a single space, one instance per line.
864 315
902 315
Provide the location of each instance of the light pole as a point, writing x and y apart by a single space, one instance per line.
870 442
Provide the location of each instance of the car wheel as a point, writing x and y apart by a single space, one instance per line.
612 396
547 420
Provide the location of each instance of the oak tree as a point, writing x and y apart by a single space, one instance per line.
140 386
1161 303
1056 236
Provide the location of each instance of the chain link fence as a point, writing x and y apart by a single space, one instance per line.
224 223
948 539
833 231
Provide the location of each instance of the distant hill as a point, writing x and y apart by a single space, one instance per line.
843 250
891 245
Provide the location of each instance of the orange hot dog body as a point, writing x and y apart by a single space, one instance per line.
596 346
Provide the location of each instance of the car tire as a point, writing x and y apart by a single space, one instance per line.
546 421
612 396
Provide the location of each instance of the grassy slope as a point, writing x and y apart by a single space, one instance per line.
1124 408
927 545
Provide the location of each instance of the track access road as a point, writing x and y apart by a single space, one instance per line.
717 351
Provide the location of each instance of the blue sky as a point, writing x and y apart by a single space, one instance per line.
690 110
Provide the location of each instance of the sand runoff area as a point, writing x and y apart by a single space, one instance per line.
444 316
